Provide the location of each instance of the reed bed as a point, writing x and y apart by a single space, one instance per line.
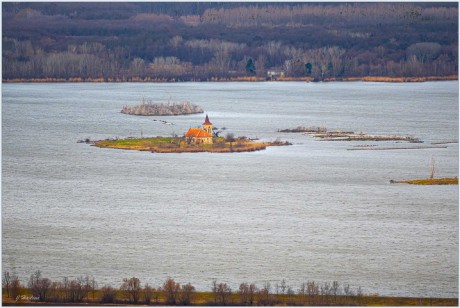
435 181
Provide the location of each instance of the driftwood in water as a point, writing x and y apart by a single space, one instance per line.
397 148
338 135
363 137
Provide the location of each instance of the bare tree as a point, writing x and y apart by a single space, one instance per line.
347 290
303 293
264 295
247 292
244 291
214 290
11 284
93 286
176 41
108 294
171 290
335 290
312 291
77 290
138 66
148 293
326 291
6 281
39 286
283 286
251 294
291 297
87 287
186 294
132 288
224 294
359 294
73 291
425 51
156 294
15 286
56 293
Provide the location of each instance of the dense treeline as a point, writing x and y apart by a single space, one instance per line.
203 41
86 289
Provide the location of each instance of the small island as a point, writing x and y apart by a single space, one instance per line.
195 140
430 181
158 109
324 134
178 145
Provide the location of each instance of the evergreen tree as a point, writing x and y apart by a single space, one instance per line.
250 67
308 66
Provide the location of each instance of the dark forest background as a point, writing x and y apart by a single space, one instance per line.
204 40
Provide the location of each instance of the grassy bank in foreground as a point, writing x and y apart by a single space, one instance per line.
178 145
40 290
209 299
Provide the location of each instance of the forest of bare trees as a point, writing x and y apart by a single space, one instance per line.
204 41
85 289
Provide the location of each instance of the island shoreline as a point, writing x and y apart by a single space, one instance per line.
178 145
235 79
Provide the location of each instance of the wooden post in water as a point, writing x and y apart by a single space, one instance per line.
432 168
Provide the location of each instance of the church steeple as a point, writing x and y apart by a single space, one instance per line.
207 125
206 121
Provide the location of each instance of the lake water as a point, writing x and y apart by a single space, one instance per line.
310 211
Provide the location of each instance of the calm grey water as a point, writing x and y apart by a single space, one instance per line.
310 211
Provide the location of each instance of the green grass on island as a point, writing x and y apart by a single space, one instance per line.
140 144
178 145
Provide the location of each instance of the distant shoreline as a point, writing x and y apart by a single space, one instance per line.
233 79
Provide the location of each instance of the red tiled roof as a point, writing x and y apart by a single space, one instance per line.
206 121
197 132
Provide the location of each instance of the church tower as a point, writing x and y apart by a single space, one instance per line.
207 126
